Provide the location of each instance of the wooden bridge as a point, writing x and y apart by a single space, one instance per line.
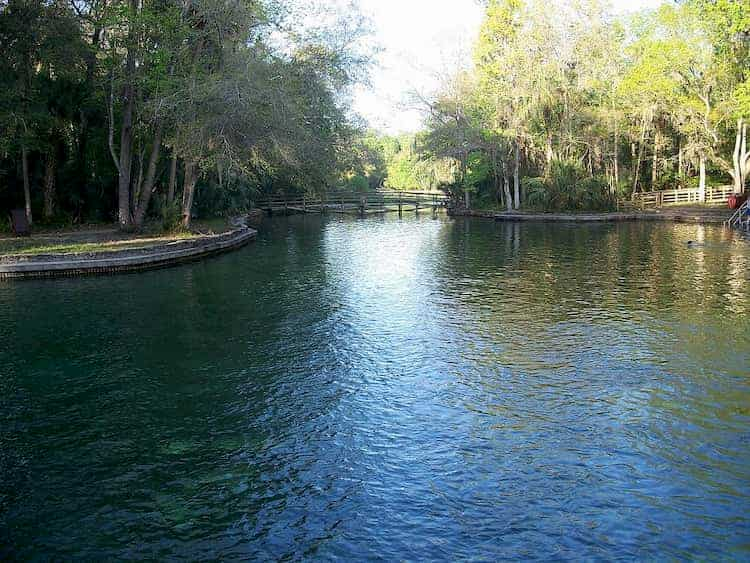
355 203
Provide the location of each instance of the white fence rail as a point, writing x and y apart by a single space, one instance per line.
685 196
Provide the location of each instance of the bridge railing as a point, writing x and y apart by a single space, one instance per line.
379 198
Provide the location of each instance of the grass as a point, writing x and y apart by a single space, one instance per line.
100 238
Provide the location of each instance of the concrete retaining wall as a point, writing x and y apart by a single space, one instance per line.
675 216
158 256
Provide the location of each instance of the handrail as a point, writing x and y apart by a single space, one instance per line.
736 217
356 197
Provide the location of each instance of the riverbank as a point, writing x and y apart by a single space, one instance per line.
105 251
705 215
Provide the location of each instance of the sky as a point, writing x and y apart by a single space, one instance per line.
419 40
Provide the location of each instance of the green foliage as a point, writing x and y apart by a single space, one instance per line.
358 183
594 103
669 181
170 215
253 113
537 193
478 170
568 188
397 163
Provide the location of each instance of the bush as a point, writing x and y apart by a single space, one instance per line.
358 183
594 194
537 194
568 187
170 214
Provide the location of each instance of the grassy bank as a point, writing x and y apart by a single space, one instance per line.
100 238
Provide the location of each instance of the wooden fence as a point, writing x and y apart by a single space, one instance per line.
714 196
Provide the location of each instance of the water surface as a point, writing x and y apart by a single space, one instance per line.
412 389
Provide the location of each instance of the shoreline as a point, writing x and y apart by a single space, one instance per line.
708 216
162 255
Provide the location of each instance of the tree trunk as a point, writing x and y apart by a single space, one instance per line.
548 153
467 201
637 170
744 158
517 176
49 184
655 163
26 182
188 189
679 158
495 176
702 182
740 157
616 163
149 187
506 190
126 135
616 168
172 179
135 187
126 161
91 67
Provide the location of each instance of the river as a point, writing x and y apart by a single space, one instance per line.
385 389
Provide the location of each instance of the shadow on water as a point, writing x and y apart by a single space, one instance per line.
385 388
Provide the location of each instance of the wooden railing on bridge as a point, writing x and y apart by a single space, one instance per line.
683 196
366 202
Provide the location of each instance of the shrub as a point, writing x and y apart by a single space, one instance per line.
171 216
667 181
537 194
568 187
594 194
358 183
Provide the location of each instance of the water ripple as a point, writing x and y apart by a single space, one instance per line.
387 389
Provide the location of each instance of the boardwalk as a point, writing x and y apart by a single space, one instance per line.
355 203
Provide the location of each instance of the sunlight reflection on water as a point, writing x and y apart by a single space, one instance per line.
383 388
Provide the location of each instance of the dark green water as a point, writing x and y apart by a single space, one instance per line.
382 389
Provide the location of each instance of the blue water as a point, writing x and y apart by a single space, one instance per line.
386 389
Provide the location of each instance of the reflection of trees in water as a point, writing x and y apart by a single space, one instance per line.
514 285
609 338
632 265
